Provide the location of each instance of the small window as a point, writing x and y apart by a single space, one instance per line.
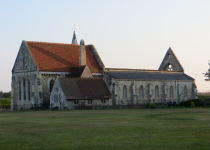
185 91
29 91
171 92
51 85
24 88
19 90
59 97
124 92
141 92
90 101
170 68
156 92
76 101
103 101
55 98
168 55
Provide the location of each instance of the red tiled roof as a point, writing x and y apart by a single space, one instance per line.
57 57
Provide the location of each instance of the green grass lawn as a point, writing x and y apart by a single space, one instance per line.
165 129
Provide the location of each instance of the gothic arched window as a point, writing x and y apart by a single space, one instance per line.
51 85
170 68
19 90
29 91
24 88
124 92
156 92
59 97
185 91
171 92
141 92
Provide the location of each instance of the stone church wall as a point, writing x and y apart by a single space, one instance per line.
133 91
31 89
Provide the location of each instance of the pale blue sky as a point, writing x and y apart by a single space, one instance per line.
127 34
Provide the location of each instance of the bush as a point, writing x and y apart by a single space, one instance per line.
152 106
56 108
192 104
197 102
7 95
5 102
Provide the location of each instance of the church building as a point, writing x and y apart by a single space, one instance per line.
70 75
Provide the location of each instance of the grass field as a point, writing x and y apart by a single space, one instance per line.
149 129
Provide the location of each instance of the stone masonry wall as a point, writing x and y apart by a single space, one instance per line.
31 86
133 91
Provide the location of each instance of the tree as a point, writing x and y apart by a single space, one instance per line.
207 74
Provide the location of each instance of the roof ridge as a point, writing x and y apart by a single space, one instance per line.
78 78
52 43
127 69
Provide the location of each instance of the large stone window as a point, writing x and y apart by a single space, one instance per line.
156 92
55 98
51 85
24 88
19 85
171 92
29 91
141 92
124 92
185 91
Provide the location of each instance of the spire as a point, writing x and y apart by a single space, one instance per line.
74 39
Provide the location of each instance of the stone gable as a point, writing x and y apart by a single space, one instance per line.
24 61
171 62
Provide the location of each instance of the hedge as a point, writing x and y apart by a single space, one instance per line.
197 102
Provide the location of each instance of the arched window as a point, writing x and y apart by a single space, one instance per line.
59 97
13 81
51 85
124 92
19 90
170 68
156 92
24 88
29 91
141 92
185 91
171 92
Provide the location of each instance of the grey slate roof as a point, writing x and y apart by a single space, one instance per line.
84 88
148 75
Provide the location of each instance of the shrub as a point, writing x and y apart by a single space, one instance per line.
197 102
56 108
7 95
192 104
5 102
152 105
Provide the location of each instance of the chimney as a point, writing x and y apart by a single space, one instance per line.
82 53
